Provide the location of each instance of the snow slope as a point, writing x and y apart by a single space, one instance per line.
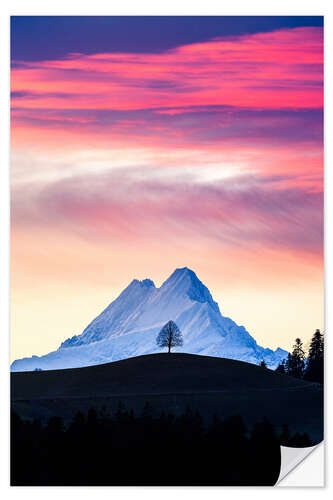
129 325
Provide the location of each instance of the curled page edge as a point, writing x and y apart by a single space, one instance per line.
291 458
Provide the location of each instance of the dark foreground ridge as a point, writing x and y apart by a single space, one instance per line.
172 383
128 450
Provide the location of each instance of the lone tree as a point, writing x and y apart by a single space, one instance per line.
169 336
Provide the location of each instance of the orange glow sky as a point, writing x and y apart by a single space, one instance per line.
128 165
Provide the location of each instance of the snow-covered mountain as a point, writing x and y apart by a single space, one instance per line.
129 325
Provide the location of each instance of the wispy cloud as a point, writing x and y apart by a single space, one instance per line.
276 69
243 211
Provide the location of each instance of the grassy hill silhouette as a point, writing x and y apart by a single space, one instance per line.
172 383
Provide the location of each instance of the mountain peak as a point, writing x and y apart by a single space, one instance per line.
184 280
147 282
181 272
141 283
184 270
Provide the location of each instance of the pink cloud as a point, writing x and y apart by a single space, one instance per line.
253 101
262 70
241 212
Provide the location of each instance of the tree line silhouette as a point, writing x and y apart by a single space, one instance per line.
124 449
297 365
309 368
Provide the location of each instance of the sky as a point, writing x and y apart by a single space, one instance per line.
143 144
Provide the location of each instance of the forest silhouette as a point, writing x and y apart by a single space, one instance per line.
125 449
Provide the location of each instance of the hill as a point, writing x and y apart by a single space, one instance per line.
172 382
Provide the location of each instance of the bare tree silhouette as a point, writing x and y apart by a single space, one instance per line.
169 336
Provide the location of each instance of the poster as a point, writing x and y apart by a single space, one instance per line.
166 250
